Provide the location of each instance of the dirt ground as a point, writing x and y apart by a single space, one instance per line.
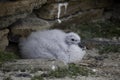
105 67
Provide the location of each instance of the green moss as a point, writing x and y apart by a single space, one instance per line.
72 71
87 30
109 48
7 78
57 73
7 56
75 70
37 78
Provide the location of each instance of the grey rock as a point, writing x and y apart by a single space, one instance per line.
3 39
10 12
19 6
24 27
7 21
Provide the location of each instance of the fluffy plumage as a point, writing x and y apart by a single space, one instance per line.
52 44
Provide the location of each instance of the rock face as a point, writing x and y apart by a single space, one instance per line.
24 27
83 16
12 11
19 6
51 11
16 15
7 21
29 24
3 39
116 11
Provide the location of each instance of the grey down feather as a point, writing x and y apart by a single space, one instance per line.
52 44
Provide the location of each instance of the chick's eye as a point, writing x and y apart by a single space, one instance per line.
73 39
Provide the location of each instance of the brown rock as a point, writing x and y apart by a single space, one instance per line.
93 4
83 16
104 3
55 1
50 11
13 10
3 32
20 6
90 15
3 39
6 21
25 26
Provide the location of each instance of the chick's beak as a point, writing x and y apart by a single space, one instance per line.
81 46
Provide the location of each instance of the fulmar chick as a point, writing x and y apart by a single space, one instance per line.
52 44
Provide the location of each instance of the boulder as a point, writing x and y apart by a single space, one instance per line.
24 27
51 10
11 11
93 4
19 6
3 39
83 16
7 21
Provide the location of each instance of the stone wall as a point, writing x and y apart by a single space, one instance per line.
20 17
3 39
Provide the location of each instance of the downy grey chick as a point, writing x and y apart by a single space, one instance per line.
52 44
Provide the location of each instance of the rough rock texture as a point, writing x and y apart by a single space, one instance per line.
80 17
50 11
3 39
7 21
15 14
55 1
116 11
88 15
25 26
20 6
91 4
29 24
12 11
